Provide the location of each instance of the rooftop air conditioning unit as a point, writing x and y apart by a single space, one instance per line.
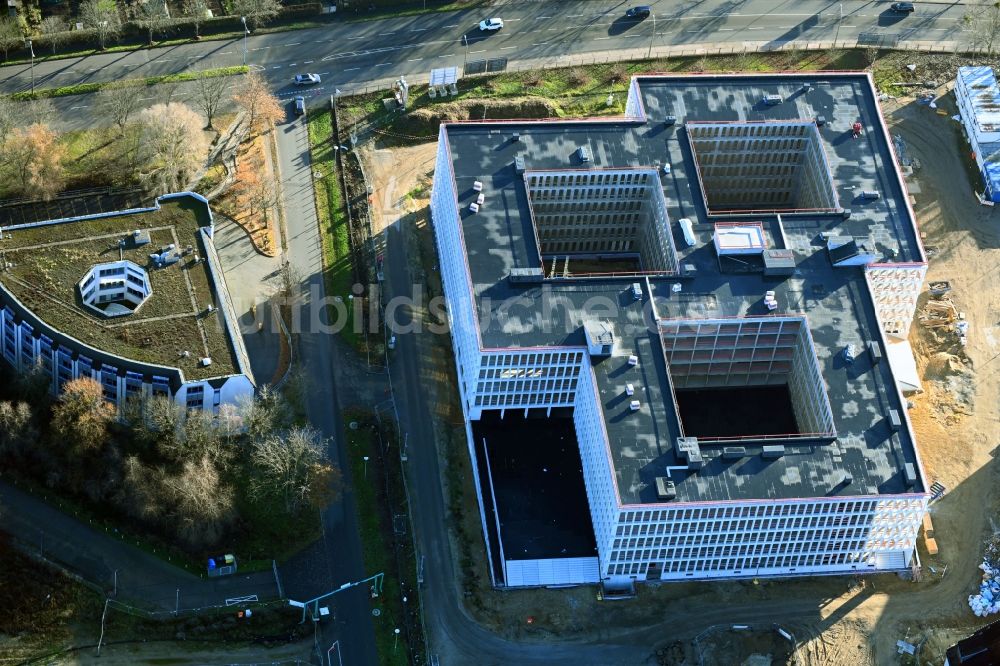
583 154
665 488
771 100
634 405
633 360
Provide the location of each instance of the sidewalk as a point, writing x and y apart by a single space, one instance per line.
143 579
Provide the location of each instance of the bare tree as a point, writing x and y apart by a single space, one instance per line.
36 160
173 145
119 101
81 418
35 112
871 56
197 11
983 21
257 12
264 414
254 97
202 504
10 34
9 113
292 467
55 30
209 92
103 17
151 15
17 428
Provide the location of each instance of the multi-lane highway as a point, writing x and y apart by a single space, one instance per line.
350 54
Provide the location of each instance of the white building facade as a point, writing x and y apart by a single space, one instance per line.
677 540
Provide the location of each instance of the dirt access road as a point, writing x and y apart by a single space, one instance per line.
956 440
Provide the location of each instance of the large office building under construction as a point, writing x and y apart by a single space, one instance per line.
676 333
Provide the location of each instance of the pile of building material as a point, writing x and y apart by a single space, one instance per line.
987 601
939 312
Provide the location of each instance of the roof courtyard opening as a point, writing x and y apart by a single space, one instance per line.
600 222
747 379
762 166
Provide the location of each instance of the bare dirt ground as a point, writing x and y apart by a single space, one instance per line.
954 419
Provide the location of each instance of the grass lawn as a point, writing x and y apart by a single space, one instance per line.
581 90
333 223
376 541
49 261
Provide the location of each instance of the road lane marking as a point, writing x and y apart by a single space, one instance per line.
308 62
542 17
325 73
225 53
755 28
351 69
414 60
540 44
293 43
292 64
417 29
452 26
600 38
85 106
448 55
507 48
482 51
386 34
726 29
349 38
383 64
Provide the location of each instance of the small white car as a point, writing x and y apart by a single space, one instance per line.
491 24
306 79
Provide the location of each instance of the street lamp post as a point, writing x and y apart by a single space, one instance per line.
246 31
366 466
649 53
31 49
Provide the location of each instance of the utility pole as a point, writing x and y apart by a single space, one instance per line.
246 31
649 54
31 49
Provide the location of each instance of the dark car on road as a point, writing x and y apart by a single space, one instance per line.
300 106
640 12
902 7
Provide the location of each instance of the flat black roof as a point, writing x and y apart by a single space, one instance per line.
835 301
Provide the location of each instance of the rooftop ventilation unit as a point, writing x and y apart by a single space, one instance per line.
634 405
629 389
516 136
519 164
665 488
733 453
772 452
910 473
636 290
205 362
583 153
690 451
670 120
870 195
772 100
894 421
600 338
633 360
526 276
687 229
875 351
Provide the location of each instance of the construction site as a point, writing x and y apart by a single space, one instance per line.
954 339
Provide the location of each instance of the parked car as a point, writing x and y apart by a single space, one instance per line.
640 12
491 24
300 106
902 7
306 79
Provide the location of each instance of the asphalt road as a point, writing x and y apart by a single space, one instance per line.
336 559
347 55
124 571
